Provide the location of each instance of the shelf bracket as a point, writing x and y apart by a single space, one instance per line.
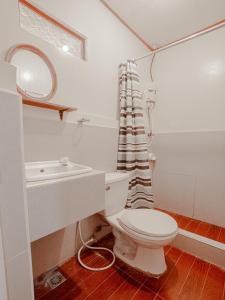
61 114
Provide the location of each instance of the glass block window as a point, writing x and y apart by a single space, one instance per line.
49 29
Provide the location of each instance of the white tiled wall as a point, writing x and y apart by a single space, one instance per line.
210 199
13 210
90 144
91 86
189 174
174 191
3 285
19 277
189 125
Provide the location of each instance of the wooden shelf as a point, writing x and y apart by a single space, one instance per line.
48 105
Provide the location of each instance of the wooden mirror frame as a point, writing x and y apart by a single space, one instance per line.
8 58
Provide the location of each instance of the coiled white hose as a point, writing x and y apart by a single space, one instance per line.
85 245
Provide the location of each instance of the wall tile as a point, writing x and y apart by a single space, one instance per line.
18 273
182 159
210 199
174 192
95 146
13 212
11 185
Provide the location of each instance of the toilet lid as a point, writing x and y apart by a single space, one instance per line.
148 222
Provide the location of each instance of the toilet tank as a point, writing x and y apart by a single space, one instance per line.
116 192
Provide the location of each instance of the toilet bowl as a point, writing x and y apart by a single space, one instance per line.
140 234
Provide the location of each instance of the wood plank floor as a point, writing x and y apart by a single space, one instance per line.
187 277
210 231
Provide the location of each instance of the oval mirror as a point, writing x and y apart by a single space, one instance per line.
36 76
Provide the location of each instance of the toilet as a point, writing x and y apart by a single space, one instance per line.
140 234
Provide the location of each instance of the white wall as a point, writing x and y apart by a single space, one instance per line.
93 86
190 128
13 209
190 78
90 85
7 76
3 283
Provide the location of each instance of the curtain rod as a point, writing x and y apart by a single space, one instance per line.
204 31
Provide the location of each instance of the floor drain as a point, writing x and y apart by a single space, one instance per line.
55 280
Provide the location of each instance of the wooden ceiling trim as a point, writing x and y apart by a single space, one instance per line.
128 27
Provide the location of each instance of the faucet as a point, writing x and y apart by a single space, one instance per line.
82 121
64 161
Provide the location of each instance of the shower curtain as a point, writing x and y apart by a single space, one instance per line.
132 150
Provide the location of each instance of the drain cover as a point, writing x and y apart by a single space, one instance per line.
55 280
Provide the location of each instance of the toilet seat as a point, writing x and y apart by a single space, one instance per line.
147 222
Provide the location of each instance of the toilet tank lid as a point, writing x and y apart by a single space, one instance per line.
115 176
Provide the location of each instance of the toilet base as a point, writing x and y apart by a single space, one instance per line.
148 260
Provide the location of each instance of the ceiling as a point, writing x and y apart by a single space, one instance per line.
159 22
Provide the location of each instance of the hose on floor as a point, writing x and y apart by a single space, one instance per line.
86 245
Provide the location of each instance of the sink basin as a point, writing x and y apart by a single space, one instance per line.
46 170
57 203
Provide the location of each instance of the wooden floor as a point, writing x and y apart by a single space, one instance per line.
210 231
187 278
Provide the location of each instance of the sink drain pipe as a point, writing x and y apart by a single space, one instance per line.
86 245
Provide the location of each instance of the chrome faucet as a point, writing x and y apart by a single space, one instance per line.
64 161
82 121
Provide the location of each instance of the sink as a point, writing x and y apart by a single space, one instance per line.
61 196
46 170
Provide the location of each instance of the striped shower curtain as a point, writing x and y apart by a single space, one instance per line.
132 150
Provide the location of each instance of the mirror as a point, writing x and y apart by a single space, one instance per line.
36 76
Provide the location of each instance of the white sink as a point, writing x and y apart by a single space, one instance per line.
46 170
54 204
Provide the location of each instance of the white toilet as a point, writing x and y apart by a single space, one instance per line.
140 234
